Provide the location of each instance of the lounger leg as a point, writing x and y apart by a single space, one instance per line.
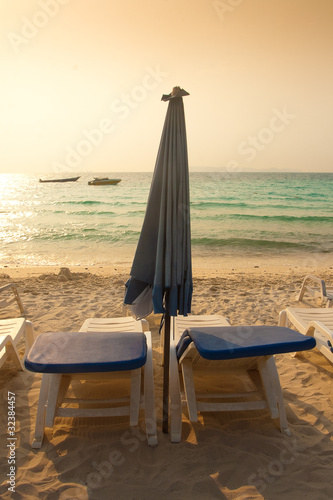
29 336
190 390
175 397
64 384
43 395
135 396
301 293
278 393
149 398
265 375
51 407
18 300
284 321
283 318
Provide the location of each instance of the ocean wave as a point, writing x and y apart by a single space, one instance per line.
94 235
203 205
250 243
257 205
81 202
257 218
110 202
84 213
282 218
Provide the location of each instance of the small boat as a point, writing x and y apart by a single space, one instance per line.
68 179
103 181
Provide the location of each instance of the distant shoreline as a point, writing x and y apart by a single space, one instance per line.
200 268
194 170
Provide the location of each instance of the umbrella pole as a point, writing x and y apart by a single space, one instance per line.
166 360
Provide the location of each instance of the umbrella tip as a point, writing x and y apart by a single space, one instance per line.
176 92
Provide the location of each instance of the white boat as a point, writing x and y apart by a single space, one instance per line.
103 181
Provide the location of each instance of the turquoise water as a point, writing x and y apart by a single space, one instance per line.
236 215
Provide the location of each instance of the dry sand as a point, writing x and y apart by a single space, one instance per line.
227 456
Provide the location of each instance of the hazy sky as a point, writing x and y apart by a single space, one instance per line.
81 83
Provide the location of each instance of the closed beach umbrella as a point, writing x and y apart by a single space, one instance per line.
161 273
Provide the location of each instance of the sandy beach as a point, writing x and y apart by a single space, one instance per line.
227 456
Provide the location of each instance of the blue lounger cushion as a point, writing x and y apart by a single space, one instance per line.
87 352
229 342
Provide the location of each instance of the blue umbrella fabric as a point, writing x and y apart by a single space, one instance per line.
161 273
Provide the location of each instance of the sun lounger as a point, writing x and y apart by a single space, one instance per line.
315 322
11 332
110 349
317 288
5 301
226 350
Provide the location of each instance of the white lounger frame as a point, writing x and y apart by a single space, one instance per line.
54 387
11 332
315 322
317 288
5 301
268 383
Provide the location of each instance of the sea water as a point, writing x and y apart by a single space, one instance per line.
248 216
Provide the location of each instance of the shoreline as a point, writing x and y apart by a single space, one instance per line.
308 263
212 270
